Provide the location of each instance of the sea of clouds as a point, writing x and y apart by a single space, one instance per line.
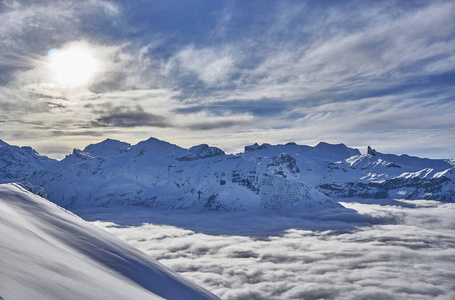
393 250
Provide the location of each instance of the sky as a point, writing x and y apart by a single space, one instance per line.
229 73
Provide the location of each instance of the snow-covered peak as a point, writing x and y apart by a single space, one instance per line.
321 152
107 148
268 150
154 145
333 152
201 151
406 161
81 154
3 144
255 147
18 162
29 150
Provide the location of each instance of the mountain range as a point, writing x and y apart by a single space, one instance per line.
156 173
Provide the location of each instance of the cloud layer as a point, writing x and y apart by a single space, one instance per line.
401 250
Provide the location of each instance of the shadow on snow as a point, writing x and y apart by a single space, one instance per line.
255 223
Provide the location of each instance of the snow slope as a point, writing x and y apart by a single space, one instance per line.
49 253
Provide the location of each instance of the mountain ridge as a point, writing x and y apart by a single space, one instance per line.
161 174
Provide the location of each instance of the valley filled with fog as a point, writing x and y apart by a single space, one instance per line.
378 249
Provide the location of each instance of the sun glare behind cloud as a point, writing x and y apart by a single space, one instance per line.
72 67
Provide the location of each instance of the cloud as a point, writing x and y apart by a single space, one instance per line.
55 23
298 255
271 72
206 120
210 65
264 108
361 54
127 117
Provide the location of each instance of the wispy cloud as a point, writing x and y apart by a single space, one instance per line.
372 50
209 64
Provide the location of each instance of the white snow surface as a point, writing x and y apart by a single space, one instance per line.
47 252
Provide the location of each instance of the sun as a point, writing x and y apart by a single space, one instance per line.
73 66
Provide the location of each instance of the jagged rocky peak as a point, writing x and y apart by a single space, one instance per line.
371 151
81 154
107 148
201 151
256 147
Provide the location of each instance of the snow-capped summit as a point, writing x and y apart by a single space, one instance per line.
333 152
154 147
381 175
107 148
256 147
81 154
19 162
201 151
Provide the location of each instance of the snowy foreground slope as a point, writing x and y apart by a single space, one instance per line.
155 173
49 253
